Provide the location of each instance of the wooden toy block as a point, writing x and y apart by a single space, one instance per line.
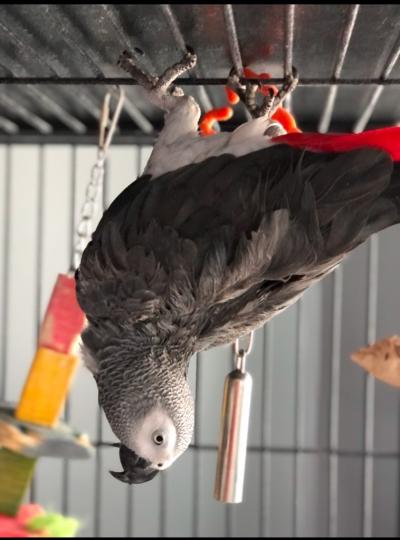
64 319
15 472
46 387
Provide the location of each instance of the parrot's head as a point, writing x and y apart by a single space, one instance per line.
147 400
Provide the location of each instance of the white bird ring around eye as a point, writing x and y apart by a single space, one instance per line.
158 438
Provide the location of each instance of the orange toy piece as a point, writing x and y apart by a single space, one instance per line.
215 115
55 362
232 96
281 115
46 387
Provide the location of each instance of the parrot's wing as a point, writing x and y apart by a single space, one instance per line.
219 246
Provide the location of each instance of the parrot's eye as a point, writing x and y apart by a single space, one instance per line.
158 437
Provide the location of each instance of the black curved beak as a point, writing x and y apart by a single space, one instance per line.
136 469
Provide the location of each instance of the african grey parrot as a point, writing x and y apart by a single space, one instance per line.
217 236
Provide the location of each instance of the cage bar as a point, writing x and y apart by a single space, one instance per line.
343 48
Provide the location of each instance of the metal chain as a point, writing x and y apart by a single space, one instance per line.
94 189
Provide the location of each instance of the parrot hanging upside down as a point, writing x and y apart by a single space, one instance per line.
217 236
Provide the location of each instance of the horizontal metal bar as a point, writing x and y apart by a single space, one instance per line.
92 138
308 81
131 137
289 450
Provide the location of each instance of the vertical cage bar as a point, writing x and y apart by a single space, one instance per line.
66 468
39 266
99 425
233 39
6 272
196 457
344 46
129 490
369 402
204 98
337 306
373 100
234 46
163 500
297 416
98 481
288 48
265 469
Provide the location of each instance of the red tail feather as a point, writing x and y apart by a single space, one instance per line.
387 139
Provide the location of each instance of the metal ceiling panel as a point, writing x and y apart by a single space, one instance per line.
348 41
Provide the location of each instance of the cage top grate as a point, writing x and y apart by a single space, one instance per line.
57 60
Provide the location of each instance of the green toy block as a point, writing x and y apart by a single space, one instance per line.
15 472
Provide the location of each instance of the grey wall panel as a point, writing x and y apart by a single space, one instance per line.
55 258
314 352
48 483
350 496
245 517
146 508
256 366
278 507
280 383
387 399
80 494
213 367
56 218
111 515
179 499
22 267
82 403
354 334
311 499
5 185
286 491
386 498
212 516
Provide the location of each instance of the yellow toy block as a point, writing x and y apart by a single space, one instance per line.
46 387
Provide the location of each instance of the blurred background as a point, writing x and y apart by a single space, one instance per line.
324 442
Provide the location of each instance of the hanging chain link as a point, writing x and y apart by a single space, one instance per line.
241 354
94 189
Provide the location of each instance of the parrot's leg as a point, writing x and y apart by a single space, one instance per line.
250 97
182 112
287 88
127 61
170 74
271 102
160 90
246 92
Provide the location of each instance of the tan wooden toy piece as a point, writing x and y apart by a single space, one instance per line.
382 360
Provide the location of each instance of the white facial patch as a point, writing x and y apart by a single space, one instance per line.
155 439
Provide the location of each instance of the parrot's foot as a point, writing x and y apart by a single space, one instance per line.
287 88
160 89
270 103
246 92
